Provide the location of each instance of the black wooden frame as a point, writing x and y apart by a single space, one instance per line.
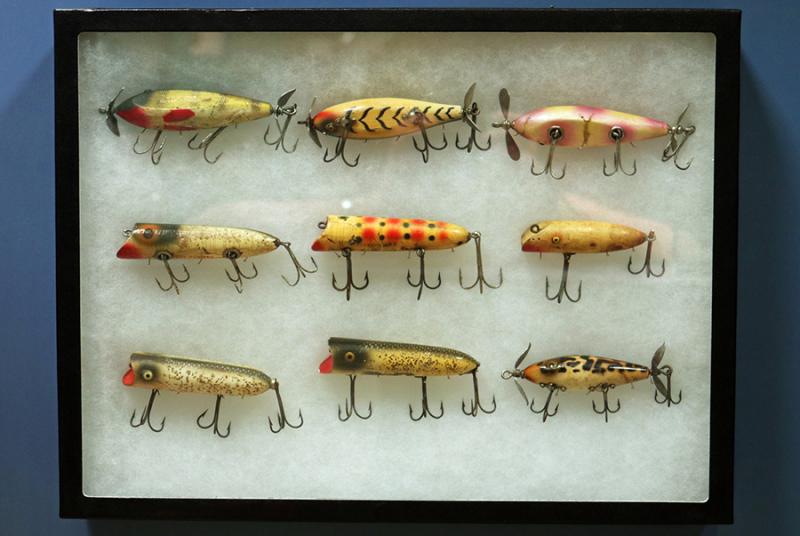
724 24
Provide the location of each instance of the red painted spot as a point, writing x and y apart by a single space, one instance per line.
419 222
322 116
443 235
369 219
137 116
129 377
394 234
393 220
326 366
318 246
418 235
129 251
441 223
181 114
369 234
530 247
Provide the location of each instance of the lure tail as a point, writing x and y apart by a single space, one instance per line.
656 372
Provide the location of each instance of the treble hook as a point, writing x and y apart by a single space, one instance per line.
154 149
555 133
145 418
338 152
551 387
299 268
282 422
606 409
470 113
673 145
164 257
651 237
204 143
426 411
480 279
418 120
288 111
562 289
475 404
666 391
617 133
472 141
215 421
238 281
350 405
422 283
350 284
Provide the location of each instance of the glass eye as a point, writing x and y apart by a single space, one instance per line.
350 356
535 228
148 233
147 375
556 239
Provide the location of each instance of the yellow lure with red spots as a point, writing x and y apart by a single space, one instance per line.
372 233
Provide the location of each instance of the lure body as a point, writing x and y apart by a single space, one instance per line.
370 233
376 118
178 109
586 126
150 240
184 375
585 372
356 356
580 236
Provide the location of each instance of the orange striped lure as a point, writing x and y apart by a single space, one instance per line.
586 126
185 375
384 117
594 374
370 233
166 241
355 357
569 237
178 109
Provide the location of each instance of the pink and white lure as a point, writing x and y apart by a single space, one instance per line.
587 126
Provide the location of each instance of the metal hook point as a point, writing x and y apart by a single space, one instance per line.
480 279
350 405
349 284
426 410
562 288
475 404
145 418
214 420
651 237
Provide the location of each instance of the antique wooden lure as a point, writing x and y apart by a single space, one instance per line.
569 237
179 109
346 234
587 126
166 241
385 117
594 374
184 375
355 357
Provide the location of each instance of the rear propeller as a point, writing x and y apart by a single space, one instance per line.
518 373
309 123
111 119
511 145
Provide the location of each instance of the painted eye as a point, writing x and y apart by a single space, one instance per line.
535 228
148 233
147 375
328 126
350 356
556 239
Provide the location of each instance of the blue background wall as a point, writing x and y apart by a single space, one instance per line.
767 467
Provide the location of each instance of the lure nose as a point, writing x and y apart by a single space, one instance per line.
530 246
129 376
326 366
317 245
129 251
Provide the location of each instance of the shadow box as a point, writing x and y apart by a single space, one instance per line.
523 202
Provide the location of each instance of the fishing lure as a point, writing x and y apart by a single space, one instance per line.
369 233
592 373
164 242
184 375
586 126
569 237
355 357
383 117
179 109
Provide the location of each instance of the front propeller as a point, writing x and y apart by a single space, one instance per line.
511 145
111 119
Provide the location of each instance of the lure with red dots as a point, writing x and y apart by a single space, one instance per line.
164 242
586 126
185 375
355 357
569 237
178 109
370 233
592 373
385 117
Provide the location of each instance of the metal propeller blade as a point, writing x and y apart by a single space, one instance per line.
111 119
283 99
309 123
512 147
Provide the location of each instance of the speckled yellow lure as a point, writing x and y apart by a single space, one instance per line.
592 373
179 109
355 357
184 375
387 117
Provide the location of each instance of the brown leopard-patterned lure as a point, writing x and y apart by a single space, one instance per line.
356 356
185 375
592 373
